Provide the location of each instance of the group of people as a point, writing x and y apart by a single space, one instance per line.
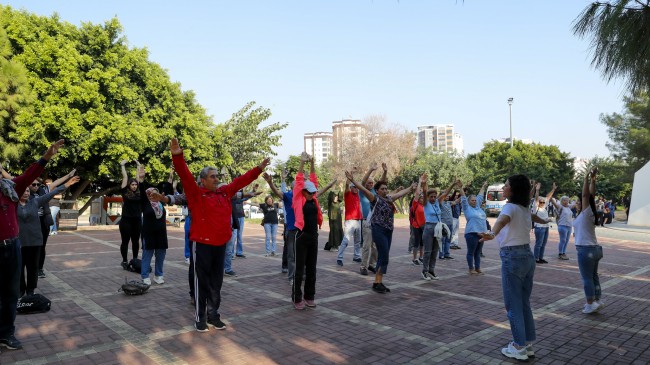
369 224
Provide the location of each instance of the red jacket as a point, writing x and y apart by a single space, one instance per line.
299 200
8 208
211 210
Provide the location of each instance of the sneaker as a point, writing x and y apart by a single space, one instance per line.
433 276
159 279
479 272
372 269
425 276
562 256
601 304
285 270
201 326
384 287
41 274
300 305
448 258
364 271
455 247
272 253
11 343
310 303
421 260
542 261
241 256
358 259
290 282
472 272
377 288
512 352
125 265
187 260
216 323
482 255
230 273
416 262
529 350
147 281
339 262
590 308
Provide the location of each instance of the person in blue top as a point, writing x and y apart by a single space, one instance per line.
476 224
289 236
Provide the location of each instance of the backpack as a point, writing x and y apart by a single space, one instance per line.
35 303
135 265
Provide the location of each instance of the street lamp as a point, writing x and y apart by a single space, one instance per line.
510 100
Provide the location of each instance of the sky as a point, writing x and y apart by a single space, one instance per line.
414 62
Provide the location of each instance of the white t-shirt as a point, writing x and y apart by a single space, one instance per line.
517 232
542 213
585 229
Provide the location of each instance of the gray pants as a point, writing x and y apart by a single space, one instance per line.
430 248
369 250
291 253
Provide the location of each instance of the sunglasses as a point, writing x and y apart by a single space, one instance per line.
36 184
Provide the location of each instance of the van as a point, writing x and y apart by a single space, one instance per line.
494 199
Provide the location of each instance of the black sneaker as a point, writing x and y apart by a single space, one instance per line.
364 271
542 261
372 269
230 273
448 258
482 254
416 262
285 270
241 256
11 343
358 259
41 274
201 326
339 262
125 265
216 323
384 287
378 288
421 260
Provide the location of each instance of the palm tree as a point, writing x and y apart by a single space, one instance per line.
620 39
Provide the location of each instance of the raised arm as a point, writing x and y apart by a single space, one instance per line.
536 187
352 172
61 180
533 186
373 167
366 192
422 181
140 172
444 195
125 176
170 179
586 191
482 191
401 193
324 189
5 174
304 157
550 194
43 199
269 180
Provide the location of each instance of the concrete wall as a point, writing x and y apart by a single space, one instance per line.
640 204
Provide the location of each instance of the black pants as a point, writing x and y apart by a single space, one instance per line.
130 228
284 248
306 250
10 265
29 269
208 268
45 230
190 271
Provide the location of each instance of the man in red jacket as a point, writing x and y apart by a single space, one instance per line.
210 230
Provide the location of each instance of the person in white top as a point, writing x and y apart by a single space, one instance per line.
589 252
512 230
564 223
541 229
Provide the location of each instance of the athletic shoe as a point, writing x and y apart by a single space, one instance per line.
542 261
529 350
300 305
310 303
201 326
455 247
512 352
421 260
41 274
290 282
384 287
339 262
416 262
590 308
358 259
377 288
242 256
125 265
272 253
448 258
11 343
562 256
433 275
601 304
482 254
472 272
187 260
159 279
479 272
364 271
441 257
230 273
147 281
372 269
285 270
216 323
425 276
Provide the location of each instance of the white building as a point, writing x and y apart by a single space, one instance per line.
319 145
441 137
347 131
523 140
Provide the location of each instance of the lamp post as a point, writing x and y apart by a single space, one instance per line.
510 100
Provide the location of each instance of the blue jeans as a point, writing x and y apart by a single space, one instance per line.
565 235
55 212
446 242
230 248
474 248
588 258
240 234
146 262
517 271
382 238
188 221
271 231
10 267
351 231
541 237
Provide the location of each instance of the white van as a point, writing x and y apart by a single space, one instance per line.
494 199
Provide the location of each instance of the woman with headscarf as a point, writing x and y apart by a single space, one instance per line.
131 218
335 220
154 233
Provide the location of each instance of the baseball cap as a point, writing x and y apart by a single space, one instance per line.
310 187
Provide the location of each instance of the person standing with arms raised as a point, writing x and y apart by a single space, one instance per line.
210 230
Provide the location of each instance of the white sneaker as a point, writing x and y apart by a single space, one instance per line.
147 281
187 260
159 279
512 352
590 308
434 276
529 350
425 276
600 304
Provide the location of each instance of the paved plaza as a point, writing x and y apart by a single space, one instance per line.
459 319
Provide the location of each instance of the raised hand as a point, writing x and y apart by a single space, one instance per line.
54 149
423 178
414 186
304 157
538 186
373 166
285 173
554 186
123 162
349 176
73 180
266 177
155 196
265 163
384 166
174 147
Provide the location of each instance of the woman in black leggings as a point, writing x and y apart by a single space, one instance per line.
131 221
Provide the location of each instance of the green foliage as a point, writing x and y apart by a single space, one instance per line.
442 169
620 39
545 164
630 132
614 178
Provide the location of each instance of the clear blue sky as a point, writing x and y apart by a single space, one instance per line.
415 62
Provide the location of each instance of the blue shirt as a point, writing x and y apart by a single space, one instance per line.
289 215
365 204
432 212
475 215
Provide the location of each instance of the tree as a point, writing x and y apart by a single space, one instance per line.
441 168
545 164
630 132
620 39
614 177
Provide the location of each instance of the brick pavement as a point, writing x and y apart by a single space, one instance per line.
456 320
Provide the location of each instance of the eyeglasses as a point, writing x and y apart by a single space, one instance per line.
36 184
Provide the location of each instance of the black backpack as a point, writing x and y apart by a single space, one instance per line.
135 265
35 303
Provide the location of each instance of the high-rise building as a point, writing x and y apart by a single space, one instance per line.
319 145
441 138
347 131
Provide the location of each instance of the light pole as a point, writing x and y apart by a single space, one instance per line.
510 100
